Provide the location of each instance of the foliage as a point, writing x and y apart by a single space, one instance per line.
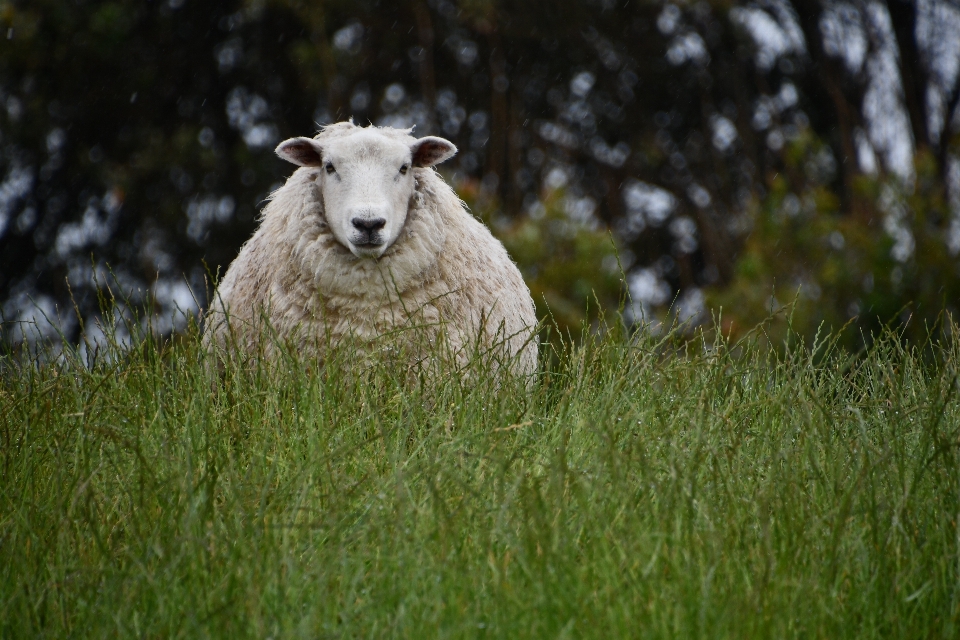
723 491
804 257
558 255
137 137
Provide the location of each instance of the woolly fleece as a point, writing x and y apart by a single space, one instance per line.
445 279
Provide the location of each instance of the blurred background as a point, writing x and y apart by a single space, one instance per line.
676 157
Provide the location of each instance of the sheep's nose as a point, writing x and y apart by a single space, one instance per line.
368 225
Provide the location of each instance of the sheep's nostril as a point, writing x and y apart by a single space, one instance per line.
368 225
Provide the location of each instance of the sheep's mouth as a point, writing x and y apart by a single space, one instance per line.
368 248
370 242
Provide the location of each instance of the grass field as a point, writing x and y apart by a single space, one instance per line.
641 488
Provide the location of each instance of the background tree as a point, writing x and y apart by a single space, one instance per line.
737 152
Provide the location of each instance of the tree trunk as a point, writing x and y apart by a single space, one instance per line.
428 86
499 114
913 73
845 93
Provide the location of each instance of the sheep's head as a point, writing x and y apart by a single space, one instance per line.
366 181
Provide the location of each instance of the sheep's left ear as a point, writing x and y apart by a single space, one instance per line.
431 150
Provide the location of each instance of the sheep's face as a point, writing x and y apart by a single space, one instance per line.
366 182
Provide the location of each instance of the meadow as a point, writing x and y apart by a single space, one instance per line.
655 486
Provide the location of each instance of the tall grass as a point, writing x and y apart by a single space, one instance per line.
642 487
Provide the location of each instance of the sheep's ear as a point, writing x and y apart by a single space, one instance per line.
431 150
302 151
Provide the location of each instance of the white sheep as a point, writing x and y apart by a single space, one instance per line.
366 239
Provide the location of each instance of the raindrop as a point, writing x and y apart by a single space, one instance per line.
582 83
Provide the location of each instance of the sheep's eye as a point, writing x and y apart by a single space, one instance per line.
330 168
403 170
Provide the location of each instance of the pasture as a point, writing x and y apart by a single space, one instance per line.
649 487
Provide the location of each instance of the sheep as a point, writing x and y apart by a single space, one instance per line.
366 239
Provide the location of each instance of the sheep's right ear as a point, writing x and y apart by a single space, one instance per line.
302 151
